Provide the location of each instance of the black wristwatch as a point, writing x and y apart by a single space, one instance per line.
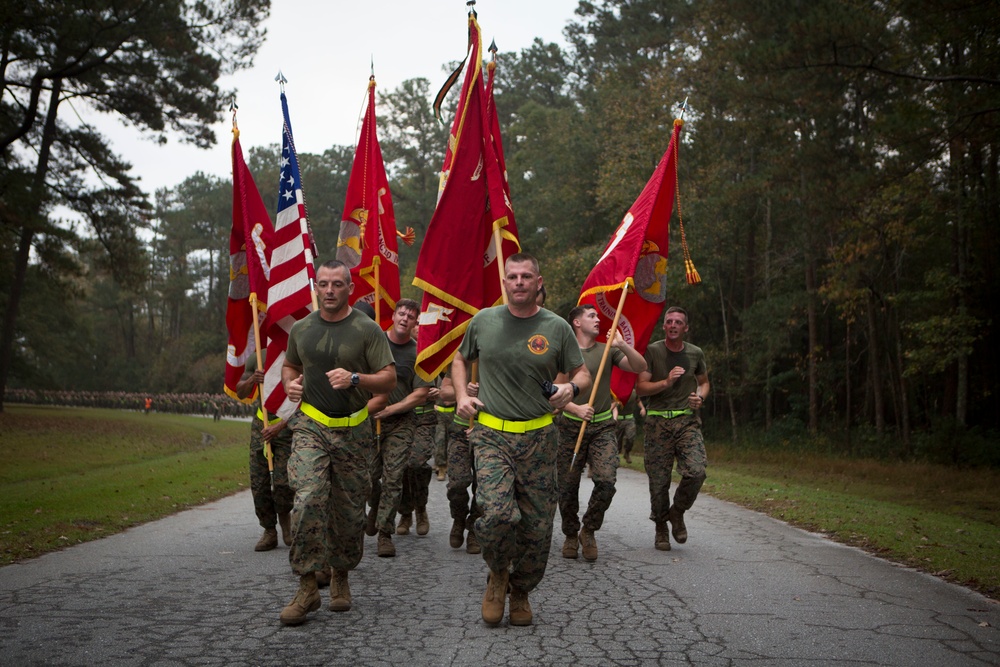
576 390
355 379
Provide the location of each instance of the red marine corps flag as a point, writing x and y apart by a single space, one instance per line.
636 256
249 262
367 241
458 268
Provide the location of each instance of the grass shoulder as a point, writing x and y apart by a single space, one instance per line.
78 474
937 519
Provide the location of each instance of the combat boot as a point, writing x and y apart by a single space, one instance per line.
306 600
457 534
323 578
371 530
520 610
472 544
570 546
662 540
405 521
423 522
386 549
676 519
340 592
267 541
495 597
442 472
285 521
589 544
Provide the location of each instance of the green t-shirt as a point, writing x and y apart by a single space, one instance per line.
407 380
515 354
355 343
661 361
592 357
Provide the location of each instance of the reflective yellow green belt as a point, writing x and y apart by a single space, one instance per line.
270 422
621 417
423 409
444 408
670 414
599 417
510 426
462 422
334 422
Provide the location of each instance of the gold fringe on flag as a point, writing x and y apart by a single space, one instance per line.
691 273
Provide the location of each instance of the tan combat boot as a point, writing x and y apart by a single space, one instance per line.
662 540
405 521
267 541
520 610
423 522
340 592
457 535
570 546
442 472
472 544
306 600
589 543
495 597
676 519
386 549
285 521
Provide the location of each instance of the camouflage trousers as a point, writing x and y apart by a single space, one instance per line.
418 473
461 474
599 449
668 440
517 491
387 467
625 432
268 503
441 433
328 469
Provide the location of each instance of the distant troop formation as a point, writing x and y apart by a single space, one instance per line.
524 408
217 405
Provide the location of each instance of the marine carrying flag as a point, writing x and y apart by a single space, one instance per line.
249 261
457 268
367 241
637 255
289 295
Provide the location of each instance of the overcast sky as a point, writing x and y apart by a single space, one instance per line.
325 49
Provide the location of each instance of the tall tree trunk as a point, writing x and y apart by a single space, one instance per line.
729 393
813 346
873 363
769 373
30 226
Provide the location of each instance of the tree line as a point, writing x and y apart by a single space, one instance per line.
838 182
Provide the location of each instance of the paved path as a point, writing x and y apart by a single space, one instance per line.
744 590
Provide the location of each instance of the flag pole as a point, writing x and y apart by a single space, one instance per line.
260 388
600 369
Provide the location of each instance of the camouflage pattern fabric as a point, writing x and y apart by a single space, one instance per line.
461 474
668 440
268 503
389 463
625 433
599 450
328 470
418 473
441 437
517 491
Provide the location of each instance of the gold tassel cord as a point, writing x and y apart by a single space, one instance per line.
691 273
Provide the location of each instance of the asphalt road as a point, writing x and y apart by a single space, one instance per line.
744 590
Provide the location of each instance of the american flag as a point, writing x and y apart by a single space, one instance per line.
292 271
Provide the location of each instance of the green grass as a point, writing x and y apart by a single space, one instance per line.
938 519
77 474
